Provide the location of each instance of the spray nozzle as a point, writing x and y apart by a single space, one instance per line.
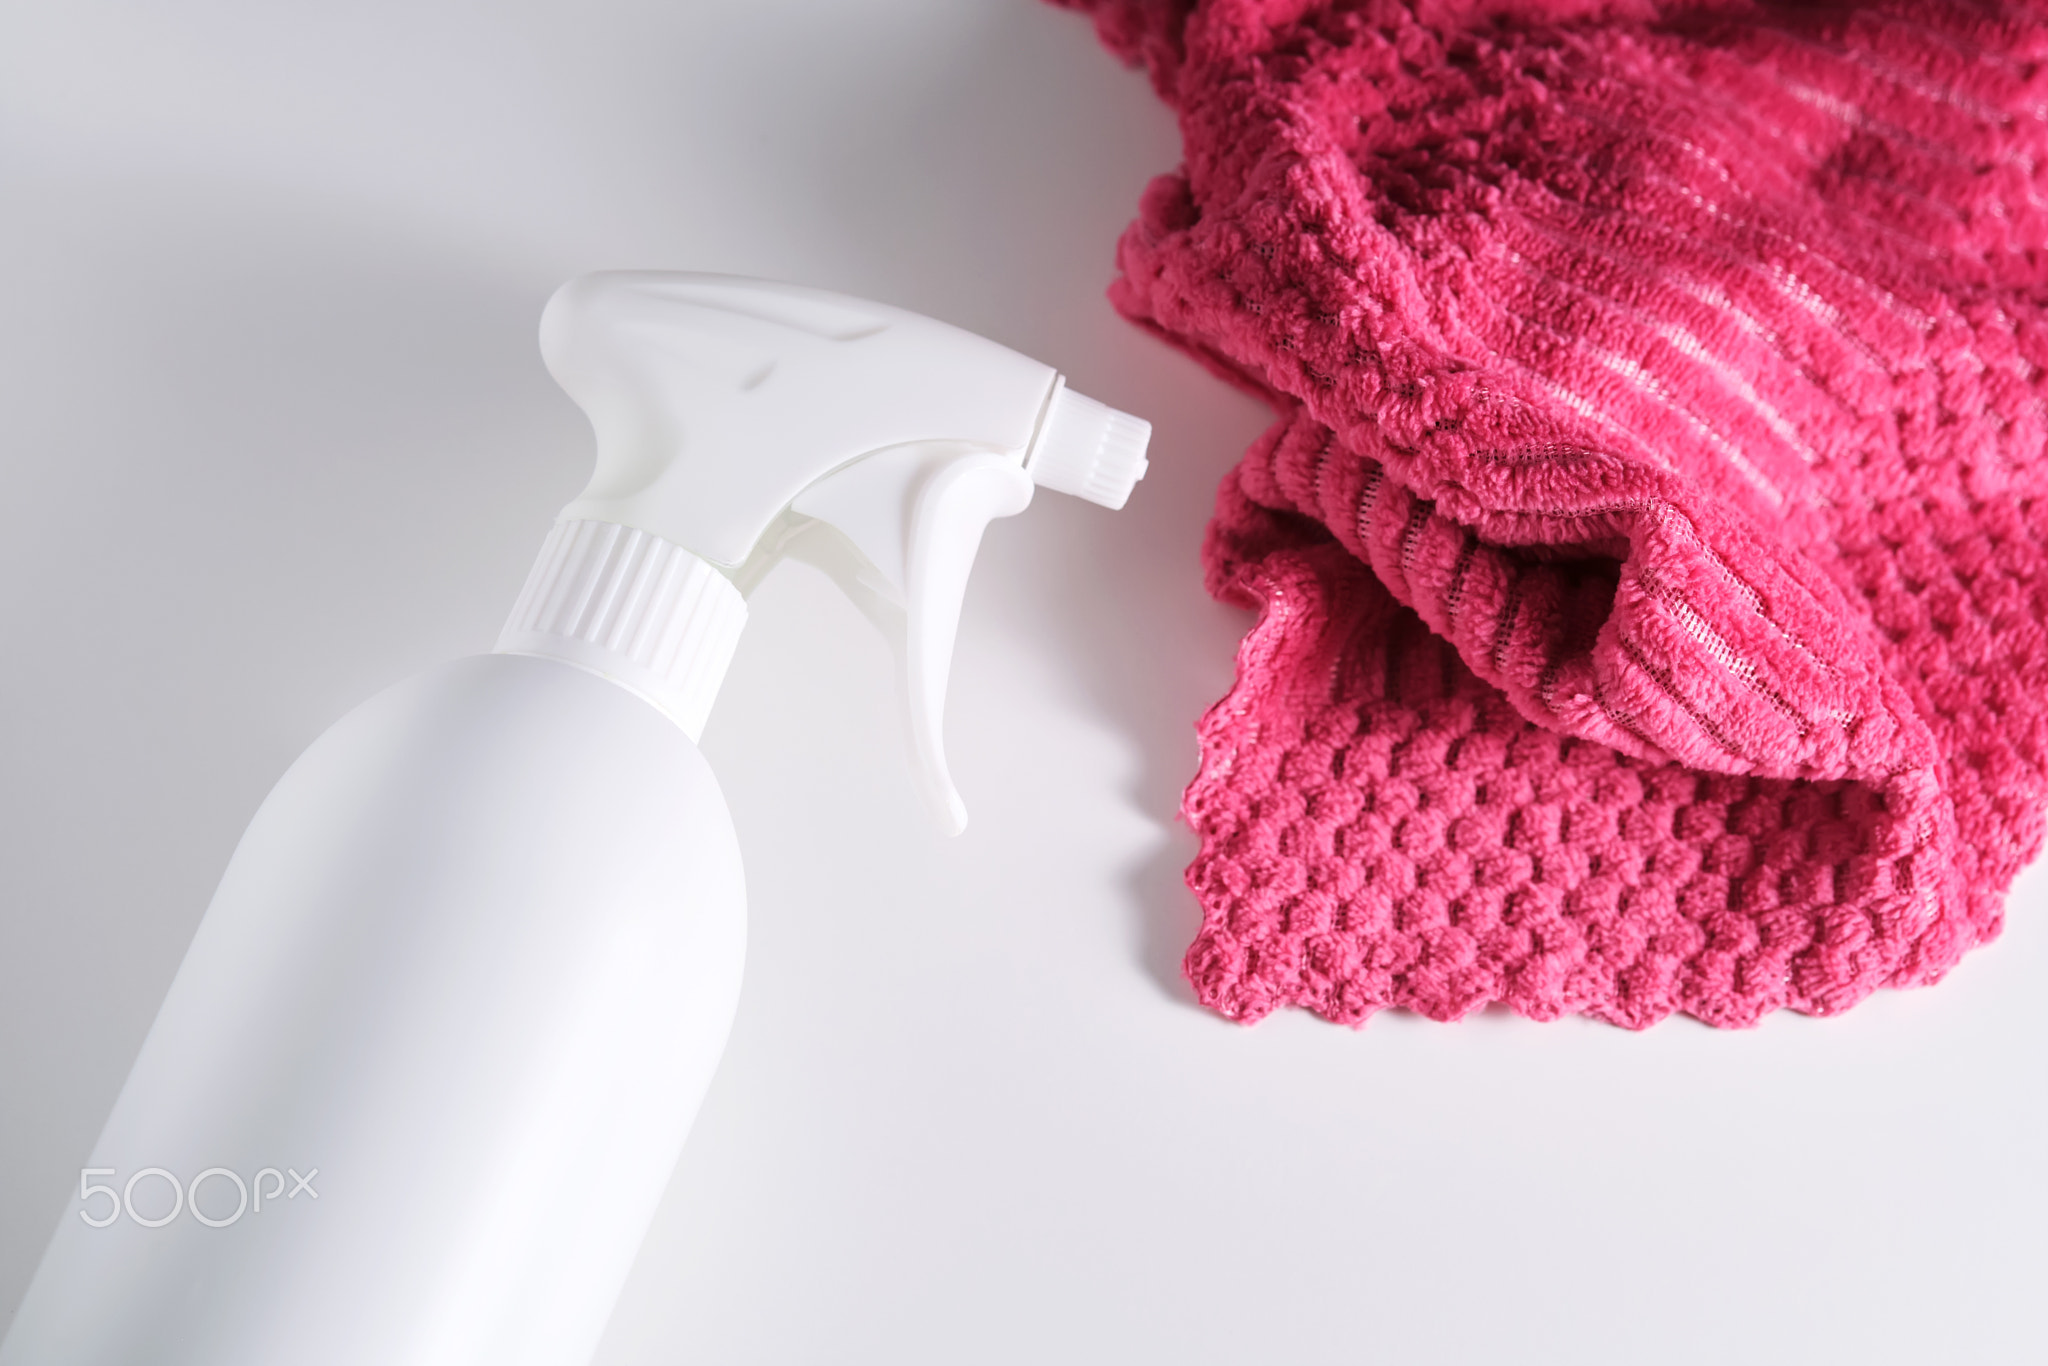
748 422
1088 449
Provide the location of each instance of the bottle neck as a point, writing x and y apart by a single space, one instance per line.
641 611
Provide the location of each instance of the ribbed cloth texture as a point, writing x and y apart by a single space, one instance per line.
634 606
1649 550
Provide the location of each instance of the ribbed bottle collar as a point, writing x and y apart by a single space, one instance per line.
641 611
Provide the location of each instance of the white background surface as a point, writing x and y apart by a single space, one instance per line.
274 433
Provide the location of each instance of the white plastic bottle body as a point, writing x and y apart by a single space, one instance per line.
466 978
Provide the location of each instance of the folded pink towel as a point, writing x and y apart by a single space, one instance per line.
1649 550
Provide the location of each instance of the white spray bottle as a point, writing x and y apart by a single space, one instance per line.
419 1083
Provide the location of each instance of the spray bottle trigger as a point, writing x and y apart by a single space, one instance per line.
916 515
953 508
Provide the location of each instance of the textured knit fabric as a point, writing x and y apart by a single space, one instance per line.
1649 549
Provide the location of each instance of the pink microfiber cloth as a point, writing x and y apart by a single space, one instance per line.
1649 552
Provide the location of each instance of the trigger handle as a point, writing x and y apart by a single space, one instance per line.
908 522
954 506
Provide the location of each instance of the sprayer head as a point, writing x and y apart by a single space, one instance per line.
747 421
